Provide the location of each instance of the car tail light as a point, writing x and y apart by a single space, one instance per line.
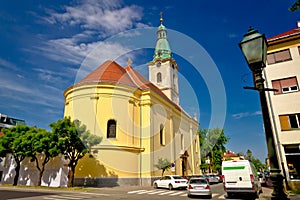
252 179
190 187
207 187
177 181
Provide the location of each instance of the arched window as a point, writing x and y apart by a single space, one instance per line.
162 135
111 128
158 77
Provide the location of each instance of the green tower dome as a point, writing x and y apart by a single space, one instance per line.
162 48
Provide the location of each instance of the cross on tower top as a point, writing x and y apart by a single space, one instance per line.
129 61
161 18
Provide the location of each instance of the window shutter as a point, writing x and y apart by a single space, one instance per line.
288 82
282 55
276 85
271 58
284 122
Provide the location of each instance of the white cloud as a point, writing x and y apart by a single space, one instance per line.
23 89
7 64
108 17
245 114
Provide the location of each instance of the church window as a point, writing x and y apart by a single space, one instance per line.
158 77
162 135
111 128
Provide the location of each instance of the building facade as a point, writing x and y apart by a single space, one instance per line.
140 122
283 73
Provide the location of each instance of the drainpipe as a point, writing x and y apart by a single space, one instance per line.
141 130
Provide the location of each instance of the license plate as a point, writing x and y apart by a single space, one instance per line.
199 187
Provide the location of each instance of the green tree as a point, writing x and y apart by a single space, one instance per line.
163 164
44 147
15 142
295 6
74 141
212 144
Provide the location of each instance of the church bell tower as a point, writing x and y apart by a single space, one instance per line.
163 69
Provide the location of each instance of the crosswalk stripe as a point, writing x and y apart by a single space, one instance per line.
183 195
213 195
166 193
136 191
177 193
156 192
221 197
144 192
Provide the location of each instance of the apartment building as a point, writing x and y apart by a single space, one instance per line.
283 73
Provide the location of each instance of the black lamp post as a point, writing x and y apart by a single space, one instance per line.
254 48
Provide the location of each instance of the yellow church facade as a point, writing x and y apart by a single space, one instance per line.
139 121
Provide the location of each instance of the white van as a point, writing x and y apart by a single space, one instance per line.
240 177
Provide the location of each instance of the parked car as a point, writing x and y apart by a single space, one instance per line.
212 178
195 176
262 178
199 186
220 178
170 182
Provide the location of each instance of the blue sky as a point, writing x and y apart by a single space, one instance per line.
45 46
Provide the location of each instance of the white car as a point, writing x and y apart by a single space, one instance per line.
170 182
199 186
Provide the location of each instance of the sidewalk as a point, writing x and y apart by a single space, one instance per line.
267 194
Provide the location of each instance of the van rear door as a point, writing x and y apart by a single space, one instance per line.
237 175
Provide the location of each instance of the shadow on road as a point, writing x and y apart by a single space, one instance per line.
11 194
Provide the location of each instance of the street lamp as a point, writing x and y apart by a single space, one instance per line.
254 48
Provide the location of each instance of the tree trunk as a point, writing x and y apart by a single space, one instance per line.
71 176
40 177
16 178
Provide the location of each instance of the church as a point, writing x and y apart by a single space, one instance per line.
140 121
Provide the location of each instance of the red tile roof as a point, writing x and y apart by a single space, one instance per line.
287 34
111 72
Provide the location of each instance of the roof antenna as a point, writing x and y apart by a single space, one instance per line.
161 18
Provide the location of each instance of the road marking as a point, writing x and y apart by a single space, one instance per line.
166 193
177 193
146 191
170 193
136 191
156 192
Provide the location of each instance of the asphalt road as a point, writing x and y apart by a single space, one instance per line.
116 193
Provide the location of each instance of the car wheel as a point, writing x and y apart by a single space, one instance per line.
155 185
170 186
210 196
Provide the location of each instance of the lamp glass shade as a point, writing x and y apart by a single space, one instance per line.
254 48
